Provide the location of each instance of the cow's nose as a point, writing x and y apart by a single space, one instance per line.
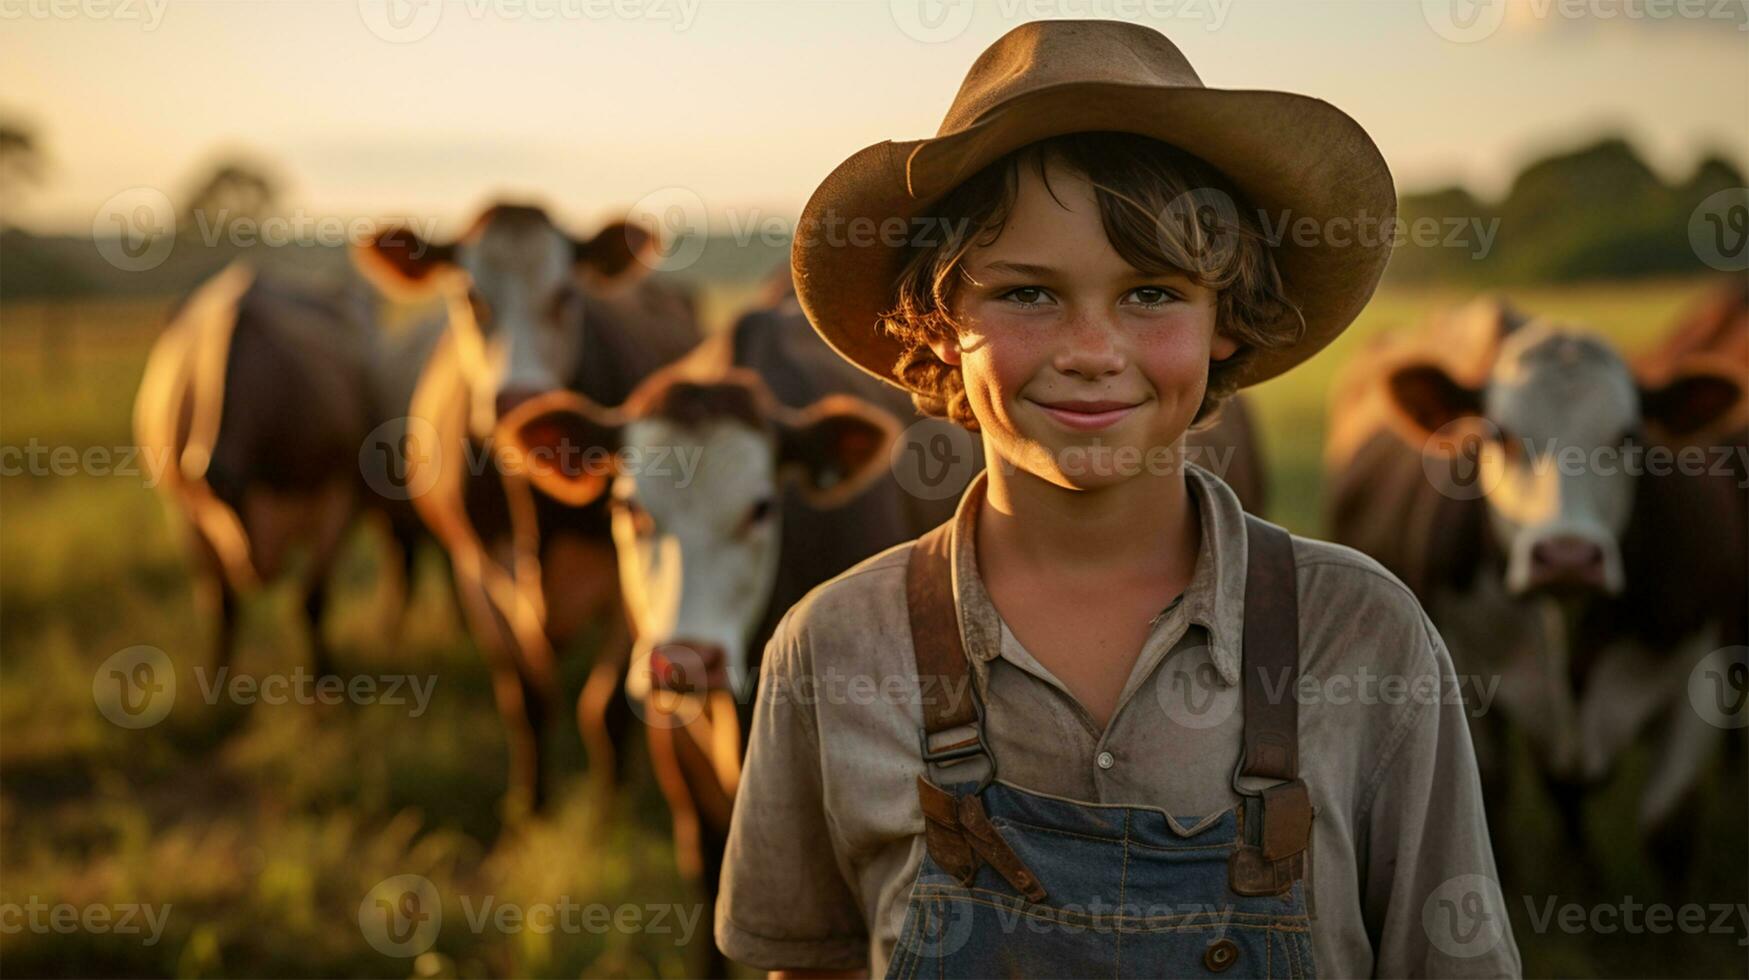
688 665
1566 561
509 398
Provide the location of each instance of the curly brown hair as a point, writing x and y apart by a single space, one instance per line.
1163 210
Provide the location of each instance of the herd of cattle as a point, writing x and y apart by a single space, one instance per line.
737 471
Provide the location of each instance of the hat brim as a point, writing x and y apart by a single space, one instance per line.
1295 158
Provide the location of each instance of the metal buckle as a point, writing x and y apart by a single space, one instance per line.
957 753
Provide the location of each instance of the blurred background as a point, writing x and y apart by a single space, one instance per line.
1581 159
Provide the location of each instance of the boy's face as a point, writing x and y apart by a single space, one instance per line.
1076 363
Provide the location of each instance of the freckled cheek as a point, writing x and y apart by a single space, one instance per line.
1004 359
1175 358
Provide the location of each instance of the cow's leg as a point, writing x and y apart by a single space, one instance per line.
580 578
329 514
509 690
215 596
683 736
1670 806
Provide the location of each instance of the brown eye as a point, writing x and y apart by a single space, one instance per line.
757 514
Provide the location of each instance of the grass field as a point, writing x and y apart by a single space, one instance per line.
263 829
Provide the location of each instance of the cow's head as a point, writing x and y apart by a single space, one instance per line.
515 284
695 470
1552 434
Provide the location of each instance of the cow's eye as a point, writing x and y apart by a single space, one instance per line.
759 513
565 300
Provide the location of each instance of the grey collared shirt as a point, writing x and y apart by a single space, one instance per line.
827 836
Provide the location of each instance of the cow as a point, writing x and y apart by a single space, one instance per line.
529 310
1489 461
255 398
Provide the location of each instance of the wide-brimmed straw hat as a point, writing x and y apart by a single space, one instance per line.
1305 165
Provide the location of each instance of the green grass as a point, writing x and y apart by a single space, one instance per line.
263 829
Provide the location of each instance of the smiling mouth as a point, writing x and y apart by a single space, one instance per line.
1087 415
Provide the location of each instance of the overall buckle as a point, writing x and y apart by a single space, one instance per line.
1284 835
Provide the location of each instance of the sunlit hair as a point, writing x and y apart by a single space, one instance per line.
1163 211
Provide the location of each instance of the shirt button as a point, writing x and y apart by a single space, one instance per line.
1106 760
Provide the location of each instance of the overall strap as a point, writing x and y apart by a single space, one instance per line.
956 829
943 673
1273 855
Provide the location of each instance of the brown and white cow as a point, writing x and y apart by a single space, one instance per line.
709 477
1499 465
256 398
530 310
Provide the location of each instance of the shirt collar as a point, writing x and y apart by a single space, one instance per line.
1215 598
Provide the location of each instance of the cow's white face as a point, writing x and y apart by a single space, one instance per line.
515 283
696 527
698 473
1559 485
523 326
1565 428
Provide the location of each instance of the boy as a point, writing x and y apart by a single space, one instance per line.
1103 722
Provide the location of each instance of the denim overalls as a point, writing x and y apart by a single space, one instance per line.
1018 883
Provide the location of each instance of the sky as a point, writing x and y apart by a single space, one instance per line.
433 107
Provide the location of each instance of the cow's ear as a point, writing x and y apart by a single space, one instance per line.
835 447
564 444
621 253
1429 399
401 263
1692 401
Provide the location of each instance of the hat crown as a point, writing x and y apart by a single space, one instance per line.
1046 53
